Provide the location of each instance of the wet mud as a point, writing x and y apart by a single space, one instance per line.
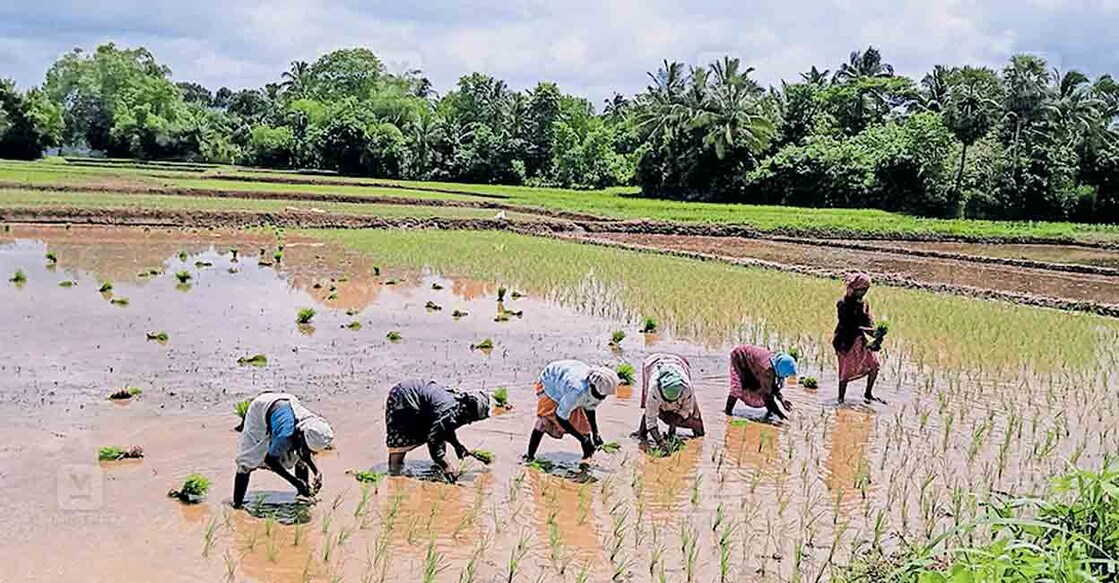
759 492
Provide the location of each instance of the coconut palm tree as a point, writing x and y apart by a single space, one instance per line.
729 111
934 89
296 80
815 76
863 64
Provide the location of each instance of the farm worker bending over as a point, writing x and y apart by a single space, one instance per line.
567 394
421 411
281 435
855 355
671 398
756 378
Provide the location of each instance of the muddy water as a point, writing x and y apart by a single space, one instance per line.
770 492
1070 286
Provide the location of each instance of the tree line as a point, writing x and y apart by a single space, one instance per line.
1021 142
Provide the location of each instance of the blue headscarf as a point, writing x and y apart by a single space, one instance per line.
783 365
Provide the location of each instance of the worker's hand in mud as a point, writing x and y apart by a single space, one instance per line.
304 490
596 439
316 486
461 452
450 475
484 459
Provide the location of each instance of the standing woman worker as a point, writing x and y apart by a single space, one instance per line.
853 351
281 435
756 377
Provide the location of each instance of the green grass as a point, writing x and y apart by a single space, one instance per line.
616 203
738 304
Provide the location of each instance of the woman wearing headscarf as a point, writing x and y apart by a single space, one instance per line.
281 435
756 377
421 412
567 394
667 395
854 323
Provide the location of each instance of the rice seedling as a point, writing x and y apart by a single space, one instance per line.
626 372
432 306
517 555
106 287
67 283
52 258
209 535
484 455
202 264
241 408
485 344
391 281
459 314
113 453
610 447
394 336
793 351
233 251
278 256
541 465
616 338
501 294
193 490
810 383
183 276
122 302
19 278
376 271
672 444
182 256
160 336
354 325
649 327
433 563
257 360
501 397
305 315
369 477
125 393
436 286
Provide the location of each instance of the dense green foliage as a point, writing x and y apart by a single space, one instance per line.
1072 536
1021 143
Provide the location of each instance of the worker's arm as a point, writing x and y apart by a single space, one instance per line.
274 464
592 417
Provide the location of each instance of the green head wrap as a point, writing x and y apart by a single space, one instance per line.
671 383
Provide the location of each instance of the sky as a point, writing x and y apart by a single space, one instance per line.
590 47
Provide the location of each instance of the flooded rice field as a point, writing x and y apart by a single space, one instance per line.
1048 253
982 397
1052 284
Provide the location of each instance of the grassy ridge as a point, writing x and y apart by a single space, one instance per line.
618 203
24 198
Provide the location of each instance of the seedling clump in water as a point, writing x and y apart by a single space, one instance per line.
616 338
436 286
627 373
182 256
610 447
158 336
119 302
305 315
257 360
19 278
67 283
650 326
501 397
794 352
459 314
193 490
369 477
125 393
201 264
485 456
810 383
376 271
355 326
432 306
486 344
106 287
112 454
501 294
51 257
241 408
394 336
672 444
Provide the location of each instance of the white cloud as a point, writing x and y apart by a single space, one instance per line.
591 47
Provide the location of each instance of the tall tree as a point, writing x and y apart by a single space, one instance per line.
862 64
972 106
